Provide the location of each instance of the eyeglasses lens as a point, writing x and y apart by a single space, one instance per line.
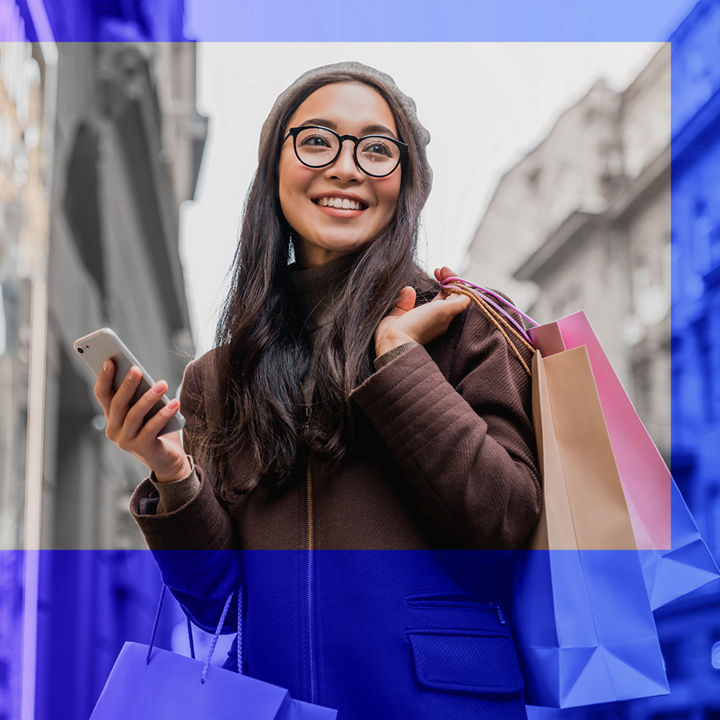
376 155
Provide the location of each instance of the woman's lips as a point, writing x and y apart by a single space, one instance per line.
338 212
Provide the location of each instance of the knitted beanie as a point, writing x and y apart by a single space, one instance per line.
361 73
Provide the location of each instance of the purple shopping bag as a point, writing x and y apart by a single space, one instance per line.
148 683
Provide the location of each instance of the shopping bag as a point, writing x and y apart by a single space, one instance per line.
678 561
585 631
148 683
645 477
584 628
584 505
674 557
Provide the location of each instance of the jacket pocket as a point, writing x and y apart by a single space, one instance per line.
467 661
456 610
460 643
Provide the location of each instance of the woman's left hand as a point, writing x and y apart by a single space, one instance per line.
406 323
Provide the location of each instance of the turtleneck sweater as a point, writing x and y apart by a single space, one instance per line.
317 289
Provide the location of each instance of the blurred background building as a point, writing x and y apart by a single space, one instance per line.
26 81
95 159
584 222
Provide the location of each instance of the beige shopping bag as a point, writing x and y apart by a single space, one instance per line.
584 504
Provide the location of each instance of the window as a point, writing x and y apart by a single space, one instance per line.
706 367
82 202
713 535
701 229
642 382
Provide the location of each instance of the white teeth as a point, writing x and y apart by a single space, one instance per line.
340 204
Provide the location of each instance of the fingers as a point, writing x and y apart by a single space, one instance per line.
434 318
440 275
157 422
447 308
103 386
405 301
120 403
444 272
136 414
456 303
449 304
127 430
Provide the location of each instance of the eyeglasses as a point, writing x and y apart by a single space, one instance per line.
317 147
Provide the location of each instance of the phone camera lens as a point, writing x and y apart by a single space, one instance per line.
80 350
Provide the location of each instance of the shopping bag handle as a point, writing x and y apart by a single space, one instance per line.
453 279
219 627
497 316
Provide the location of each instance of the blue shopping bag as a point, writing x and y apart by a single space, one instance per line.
585 631
148 683
686 565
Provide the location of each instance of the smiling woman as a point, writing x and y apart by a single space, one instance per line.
349 404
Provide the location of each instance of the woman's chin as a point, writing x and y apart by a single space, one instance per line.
314 254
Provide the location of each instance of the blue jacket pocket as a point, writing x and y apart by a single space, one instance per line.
472 661
460 643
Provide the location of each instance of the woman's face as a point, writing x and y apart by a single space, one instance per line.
321 234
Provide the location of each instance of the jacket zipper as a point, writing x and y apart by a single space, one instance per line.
309 560
309 506
310 552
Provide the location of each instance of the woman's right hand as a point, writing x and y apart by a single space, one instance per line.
164 454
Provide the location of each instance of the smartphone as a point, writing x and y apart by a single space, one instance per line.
102 344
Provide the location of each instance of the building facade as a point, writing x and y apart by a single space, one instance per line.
92 174
610 256
27 81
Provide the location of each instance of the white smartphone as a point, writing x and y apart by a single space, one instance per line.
102 344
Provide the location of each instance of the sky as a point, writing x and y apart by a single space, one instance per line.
485 104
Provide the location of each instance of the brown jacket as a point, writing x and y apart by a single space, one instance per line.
446 459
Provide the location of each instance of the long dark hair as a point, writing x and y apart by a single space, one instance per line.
263 350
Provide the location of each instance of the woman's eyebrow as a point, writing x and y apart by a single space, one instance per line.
333 126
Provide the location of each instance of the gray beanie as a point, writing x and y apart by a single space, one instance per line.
361 73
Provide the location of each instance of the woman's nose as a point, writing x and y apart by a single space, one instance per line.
344 167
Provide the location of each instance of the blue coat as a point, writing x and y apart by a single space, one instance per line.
376 634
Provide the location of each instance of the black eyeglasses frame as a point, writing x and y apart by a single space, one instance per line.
402 147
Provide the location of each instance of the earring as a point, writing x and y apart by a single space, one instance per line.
291 249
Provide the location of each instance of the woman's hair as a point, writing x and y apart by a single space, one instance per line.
263 350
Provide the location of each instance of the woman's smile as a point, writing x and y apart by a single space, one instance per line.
341 205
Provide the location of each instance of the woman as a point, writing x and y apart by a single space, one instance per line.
345 408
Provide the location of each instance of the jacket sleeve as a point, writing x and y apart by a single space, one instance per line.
193 545
465 442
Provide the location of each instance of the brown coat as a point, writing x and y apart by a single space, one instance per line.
446 460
